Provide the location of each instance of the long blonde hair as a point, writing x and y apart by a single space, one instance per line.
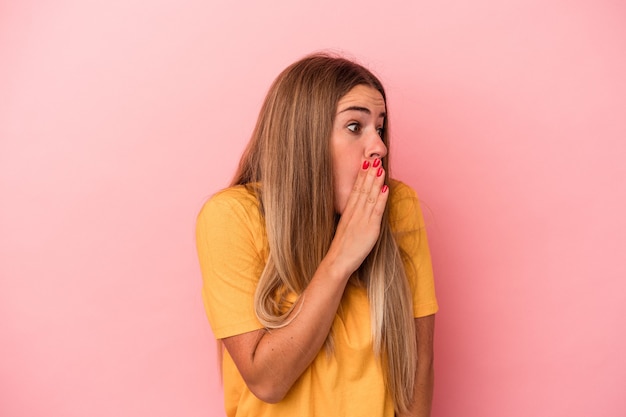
288 164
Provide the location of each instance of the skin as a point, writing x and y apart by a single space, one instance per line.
356 137
425 374
271 362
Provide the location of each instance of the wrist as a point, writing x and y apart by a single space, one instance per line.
333 269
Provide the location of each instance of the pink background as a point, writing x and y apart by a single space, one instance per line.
118 118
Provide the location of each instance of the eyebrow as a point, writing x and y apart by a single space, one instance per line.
362 109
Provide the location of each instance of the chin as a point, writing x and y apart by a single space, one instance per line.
341 199
340 206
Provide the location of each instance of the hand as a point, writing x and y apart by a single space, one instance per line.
359 226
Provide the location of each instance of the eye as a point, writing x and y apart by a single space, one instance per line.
380 131
354 127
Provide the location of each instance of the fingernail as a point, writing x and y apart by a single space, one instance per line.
366 164
379 172
385 188
376 162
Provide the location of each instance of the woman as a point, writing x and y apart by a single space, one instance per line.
317 273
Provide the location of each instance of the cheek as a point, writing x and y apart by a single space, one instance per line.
346 175
346 164
344 182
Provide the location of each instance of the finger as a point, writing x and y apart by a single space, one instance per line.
381 202
358 188
370 179
368 183
375 192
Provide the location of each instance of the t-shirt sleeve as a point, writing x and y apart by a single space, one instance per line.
231 261
407 222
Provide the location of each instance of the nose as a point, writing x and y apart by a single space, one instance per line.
376 148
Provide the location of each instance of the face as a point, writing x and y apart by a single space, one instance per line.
356 137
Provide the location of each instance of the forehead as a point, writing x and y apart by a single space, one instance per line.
363 96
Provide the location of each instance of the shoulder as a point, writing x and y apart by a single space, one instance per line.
402 198
404 206
237 204
239 198
400 191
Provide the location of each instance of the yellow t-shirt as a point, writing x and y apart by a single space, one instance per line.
232 248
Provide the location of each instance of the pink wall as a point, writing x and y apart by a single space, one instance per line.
118 118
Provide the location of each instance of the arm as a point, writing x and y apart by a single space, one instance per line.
425 375
270 361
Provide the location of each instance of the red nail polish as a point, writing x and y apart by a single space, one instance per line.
379 172
376 162
385 188
366 164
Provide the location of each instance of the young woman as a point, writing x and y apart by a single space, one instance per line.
317 272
